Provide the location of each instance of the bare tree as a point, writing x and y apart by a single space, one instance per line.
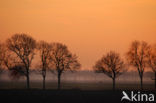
152 60
44 51
11 63
110 64
137 57
23 46
9 59
63 60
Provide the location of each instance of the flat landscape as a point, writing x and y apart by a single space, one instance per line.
16 92
62 96
78 87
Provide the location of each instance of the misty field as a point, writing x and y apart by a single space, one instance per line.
81 80
79 86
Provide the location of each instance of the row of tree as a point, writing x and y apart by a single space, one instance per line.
17 53
140 56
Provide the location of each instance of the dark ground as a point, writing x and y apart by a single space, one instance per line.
62 96
14 92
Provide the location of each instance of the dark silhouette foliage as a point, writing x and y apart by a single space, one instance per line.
44 49
63 60
110 64
137 57
17 71
23 46
152 61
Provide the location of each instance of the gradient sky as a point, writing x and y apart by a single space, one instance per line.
89 28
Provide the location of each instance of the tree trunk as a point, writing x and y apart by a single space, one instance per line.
28 86
141 82
113 83
155 80
59 81
43 82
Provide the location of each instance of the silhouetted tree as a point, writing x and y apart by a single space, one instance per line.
152 60
13 64
17 71
23 46
8 58
44 51
137 57
63 60
110 64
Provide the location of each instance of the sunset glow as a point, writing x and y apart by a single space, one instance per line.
89 28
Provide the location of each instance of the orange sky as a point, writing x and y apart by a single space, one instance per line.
90 28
